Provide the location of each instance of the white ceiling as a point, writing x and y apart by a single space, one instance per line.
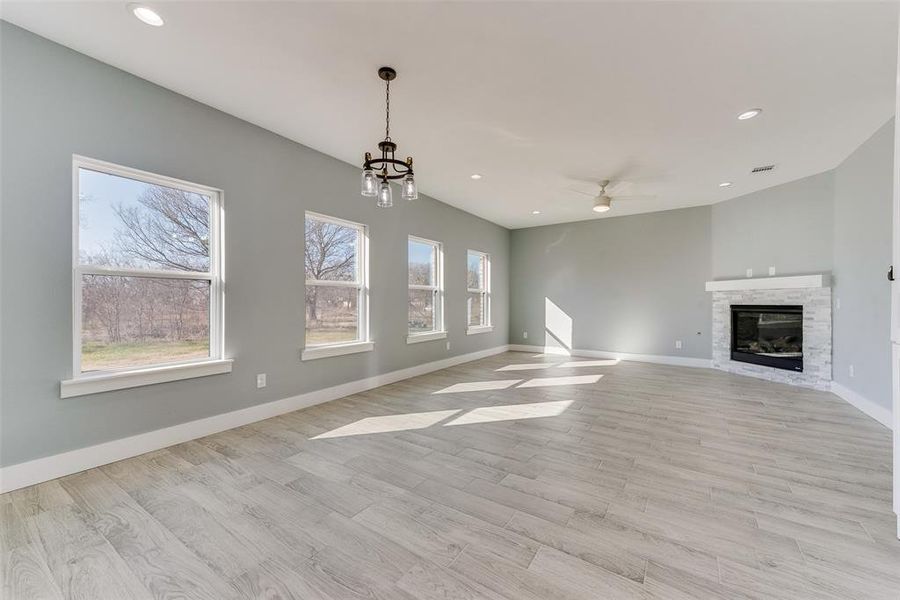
531 95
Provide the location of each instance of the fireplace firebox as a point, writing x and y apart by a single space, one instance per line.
768 335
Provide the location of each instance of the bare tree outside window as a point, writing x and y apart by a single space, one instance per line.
478 289
140 316
424 295
333 281
168 229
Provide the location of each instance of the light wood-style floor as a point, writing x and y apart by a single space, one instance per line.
515 477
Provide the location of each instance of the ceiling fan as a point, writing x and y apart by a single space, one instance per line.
602 200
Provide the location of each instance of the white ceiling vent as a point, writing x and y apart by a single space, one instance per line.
763 169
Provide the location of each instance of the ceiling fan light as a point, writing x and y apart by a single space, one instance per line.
602 203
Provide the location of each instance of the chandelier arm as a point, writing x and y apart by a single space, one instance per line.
380 166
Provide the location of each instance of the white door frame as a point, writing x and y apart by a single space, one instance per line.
895 304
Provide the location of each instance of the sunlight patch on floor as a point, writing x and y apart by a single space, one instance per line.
607 362
478 386
511 412
555 381
389 423
526 366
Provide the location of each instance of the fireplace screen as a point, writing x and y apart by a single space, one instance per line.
768 335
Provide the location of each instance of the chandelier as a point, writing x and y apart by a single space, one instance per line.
387 168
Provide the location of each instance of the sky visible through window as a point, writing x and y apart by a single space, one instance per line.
99 194
421 267
113 209
476 277
126 225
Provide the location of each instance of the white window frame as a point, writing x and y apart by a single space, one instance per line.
101 381
363 343
437 290
486 326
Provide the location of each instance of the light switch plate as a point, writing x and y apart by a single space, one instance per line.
678 344
771 271
261 380
749 272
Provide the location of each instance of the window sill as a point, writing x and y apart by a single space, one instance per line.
415 338
107 382
480 329
315 352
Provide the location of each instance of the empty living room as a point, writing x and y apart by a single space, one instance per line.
449 300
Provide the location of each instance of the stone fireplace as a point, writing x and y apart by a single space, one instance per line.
776 328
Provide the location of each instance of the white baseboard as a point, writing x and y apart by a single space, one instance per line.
876 411
39 470
680 361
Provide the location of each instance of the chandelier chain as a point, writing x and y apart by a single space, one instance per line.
387 110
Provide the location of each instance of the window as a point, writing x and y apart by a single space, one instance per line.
336 287
147 278
478 302
425 296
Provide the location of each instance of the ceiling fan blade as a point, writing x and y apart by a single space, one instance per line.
646 197
592 191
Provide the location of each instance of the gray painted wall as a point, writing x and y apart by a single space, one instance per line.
862 252
630 284
57 102
787 226
635 284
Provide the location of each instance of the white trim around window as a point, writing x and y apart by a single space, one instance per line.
484 325
475 330
359 281
94 384
327 351
91 382
435 287
415 338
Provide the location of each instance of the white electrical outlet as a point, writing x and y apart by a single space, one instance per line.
448 345
749 272
771 271
852 371
261 380
525 335
678 344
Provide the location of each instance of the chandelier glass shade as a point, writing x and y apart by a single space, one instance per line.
385 195
380 170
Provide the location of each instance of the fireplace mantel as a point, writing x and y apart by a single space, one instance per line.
819 280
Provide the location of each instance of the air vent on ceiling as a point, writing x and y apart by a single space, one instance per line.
762 169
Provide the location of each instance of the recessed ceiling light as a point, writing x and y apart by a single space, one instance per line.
749 114
475 176
146 14
535 212
725 184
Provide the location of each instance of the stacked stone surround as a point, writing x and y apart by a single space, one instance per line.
816 304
